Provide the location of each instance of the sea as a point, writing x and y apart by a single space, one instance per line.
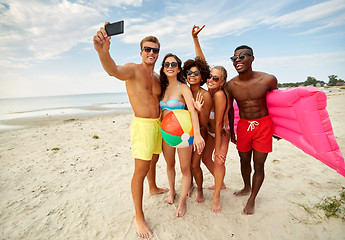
14 109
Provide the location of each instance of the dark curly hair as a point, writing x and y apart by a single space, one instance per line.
163 78
202 65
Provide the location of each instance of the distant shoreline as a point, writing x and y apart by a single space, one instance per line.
35 111
58 115
51 116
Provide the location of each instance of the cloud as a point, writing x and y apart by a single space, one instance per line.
43 30
298 68
308 14
305 60
331 22
118 3
27 83
57 34
295 68
39 30
174 24
46 29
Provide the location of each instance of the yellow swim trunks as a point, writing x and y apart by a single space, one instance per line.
146 138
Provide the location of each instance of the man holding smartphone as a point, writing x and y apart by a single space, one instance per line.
143 89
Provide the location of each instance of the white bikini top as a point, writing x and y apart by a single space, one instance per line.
211 115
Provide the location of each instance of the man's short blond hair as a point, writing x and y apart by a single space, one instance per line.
149 39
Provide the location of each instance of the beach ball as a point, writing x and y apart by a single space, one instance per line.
177 129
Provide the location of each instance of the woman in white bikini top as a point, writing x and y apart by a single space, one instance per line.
220 142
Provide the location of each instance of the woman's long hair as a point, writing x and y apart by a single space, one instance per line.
163 78
226 123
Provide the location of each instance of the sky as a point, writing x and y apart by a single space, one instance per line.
46 46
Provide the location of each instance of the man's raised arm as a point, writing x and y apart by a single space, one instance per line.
101 42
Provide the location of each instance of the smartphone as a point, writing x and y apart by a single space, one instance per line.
114 28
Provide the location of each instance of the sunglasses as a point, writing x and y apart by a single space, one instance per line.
196 73
215 78
241 56
172 64
148 50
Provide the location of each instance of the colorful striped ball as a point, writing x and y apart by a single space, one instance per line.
177 129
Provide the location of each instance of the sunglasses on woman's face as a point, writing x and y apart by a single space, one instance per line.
215 78
172 64
241 56
196 73
148 50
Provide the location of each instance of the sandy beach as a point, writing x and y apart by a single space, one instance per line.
70 179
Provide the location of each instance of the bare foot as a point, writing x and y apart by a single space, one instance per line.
143 230
200 197
189 193
157 190
249 208
243 192
212 187
181 210
216 207
171 198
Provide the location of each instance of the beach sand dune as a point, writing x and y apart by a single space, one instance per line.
71 180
